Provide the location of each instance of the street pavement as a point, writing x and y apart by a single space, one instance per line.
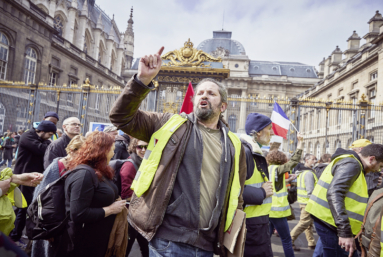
275 241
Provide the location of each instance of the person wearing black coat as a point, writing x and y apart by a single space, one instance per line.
32 147
7 145
72 128
121 147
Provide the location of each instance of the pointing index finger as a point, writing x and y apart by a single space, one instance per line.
161 50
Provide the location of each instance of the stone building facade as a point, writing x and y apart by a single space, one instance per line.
60 42
348 77
247 78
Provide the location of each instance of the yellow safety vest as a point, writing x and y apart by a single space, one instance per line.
257 180
381 237
303 198
280 207
355 201
151 160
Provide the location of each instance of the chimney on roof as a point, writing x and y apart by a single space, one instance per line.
321 68
353 44
374 26
336 58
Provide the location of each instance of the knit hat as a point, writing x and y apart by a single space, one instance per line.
47 126
51 114
360 143
256 121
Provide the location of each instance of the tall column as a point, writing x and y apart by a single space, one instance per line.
69 30
120 55
242 114
109 48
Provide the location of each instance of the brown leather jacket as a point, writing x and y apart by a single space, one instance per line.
146 213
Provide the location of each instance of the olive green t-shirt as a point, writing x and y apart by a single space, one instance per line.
211 159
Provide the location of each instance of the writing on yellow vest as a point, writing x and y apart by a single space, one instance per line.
303 197
355 201
257 180
280 207
152 158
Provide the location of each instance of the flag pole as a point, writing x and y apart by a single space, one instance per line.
294 126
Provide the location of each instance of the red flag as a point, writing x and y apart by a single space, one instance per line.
187 105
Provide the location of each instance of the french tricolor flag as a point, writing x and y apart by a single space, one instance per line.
281 123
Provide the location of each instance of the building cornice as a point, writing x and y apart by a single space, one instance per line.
361 65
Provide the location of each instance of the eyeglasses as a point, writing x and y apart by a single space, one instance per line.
74 124
140 147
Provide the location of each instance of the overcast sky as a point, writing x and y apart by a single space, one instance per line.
270 30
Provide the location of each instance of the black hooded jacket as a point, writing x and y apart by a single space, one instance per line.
345 172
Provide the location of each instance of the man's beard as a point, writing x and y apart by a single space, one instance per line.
204 114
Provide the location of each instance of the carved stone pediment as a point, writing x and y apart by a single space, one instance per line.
220 52
188 56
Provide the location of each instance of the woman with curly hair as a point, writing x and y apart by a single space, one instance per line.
90 199
137 150
280 208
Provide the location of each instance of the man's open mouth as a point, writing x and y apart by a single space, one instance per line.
204 103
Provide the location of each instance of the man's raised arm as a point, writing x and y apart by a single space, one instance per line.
125 114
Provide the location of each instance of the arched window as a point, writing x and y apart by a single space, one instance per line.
88 43
113 61
75 36
59 25
101 53
233 122
4 46
2 117
318 151
30 66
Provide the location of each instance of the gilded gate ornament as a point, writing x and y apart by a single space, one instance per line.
188 56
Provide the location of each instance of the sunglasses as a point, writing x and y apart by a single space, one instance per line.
140 147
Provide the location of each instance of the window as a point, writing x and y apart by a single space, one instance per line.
319 119
4 46
340 91
30 66
69 97
2 116
354 85
318 151
97 103
371 97
233 122
73 70
354 99
58 24
53 79
374 75
311 125
107 104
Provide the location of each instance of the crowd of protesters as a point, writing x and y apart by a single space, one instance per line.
175 182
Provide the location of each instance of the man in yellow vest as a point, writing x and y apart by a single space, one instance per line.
190 182
340 198
306 182
259 191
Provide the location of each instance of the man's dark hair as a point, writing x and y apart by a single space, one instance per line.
325 158
373 150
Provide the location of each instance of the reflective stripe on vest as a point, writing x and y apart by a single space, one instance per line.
280 207
303 197
355 201
381 237
152 158
257 180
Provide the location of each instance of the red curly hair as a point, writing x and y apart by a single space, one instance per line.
94 152
276 157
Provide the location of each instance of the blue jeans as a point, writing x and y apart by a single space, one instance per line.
281 225
318 252
5 161
160 248
330 242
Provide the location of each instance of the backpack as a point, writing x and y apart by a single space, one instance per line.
371 224
46 215
116 166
